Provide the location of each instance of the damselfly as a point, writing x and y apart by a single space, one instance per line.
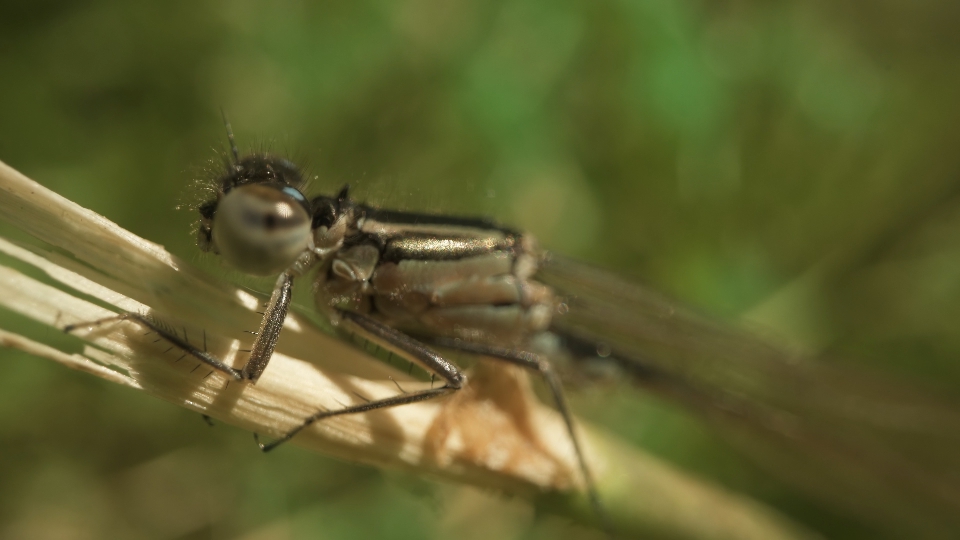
407 281
421 285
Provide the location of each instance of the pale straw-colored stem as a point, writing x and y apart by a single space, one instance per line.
495 434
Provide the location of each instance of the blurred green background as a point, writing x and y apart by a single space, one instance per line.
793 161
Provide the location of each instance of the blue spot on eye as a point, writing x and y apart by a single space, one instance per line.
295 193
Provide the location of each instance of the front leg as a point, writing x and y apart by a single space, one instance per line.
270 327
165 333
263 346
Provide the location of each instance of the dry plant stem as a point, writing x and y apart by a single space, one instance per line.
495 434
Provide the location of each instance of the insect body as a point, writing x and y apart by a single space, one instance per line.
409 281
431 275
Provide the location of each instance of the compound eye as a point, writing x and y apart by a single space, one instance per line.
261 230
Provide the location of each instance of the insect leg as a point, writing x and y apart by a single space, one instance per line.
270 327
263 346
403 345
172 337
539 364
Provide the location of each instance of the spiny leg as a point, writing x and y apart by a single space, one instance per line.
539 364
404 399
263 345
405 346
270 326
166 334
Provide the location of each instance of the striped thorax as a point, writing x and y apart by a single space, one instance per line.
427 275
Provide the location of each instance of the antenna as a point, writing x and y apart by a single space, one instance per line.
233 143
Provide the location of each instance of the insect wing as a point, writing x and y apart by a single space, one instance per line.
876 448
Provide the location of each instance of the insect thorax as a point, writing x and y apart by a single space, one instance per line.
459 279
